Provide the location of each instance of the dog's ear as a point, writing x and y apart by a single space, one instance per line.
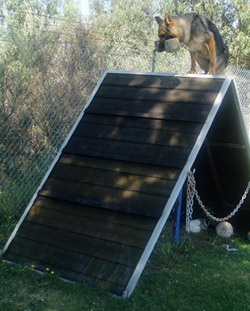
168 19
158 19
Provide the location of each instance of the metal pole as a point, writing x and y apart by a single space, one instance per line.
153 60
177 219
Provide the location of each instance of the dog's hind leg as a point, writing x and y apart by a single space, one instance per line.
193 62
203 62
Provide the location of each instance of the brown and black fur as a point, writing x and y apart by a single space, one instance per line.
200 36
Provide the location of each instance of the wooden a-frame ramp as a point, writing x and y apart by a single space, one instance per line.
102 205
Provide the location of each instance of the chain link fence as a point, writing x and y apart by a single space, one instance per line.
38 108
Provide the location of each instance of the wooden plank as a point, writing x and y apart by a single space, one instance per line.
127 151
105 215
73 261
146 115
64 273
154 107
101 196
90 227
156 137
123 181
150 109
86 245
156 94
143 123
114 205
228 145
139 169
166 82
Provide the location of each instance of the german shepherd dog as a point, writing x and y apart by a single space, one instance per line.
200 36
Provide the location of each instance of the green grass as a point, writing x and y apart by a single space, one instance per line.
196 274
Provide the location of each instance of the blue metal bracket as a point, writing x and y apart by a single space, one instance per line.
177 219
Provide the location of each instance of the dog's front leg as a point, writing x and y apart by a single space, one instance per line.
193 62
212 55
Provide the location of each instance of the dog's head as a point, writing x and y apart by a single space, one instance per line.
167 29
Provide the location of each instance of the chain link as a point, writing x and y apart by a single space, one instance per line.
189 202
191 192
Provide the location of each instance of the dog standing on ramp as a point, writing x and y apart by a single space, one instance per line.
200 36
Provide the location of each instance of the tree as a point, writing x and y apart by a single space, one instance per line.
124 25
240 28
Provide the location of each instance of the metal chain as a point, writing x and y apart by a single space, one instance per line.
191 191
189 207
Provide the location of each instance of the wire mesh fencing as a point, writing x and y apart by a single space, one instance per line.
40 104
38 107
242 78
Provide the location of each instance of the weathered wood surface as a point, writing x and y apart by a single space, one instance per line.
97 210
155 95
139 169
111 179
175 111
66 273
165 82
71 261
128 151
108 216
89 226
109 198
143 123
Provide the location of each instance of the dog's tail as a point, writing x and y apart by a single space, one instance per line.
222 62
222 53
